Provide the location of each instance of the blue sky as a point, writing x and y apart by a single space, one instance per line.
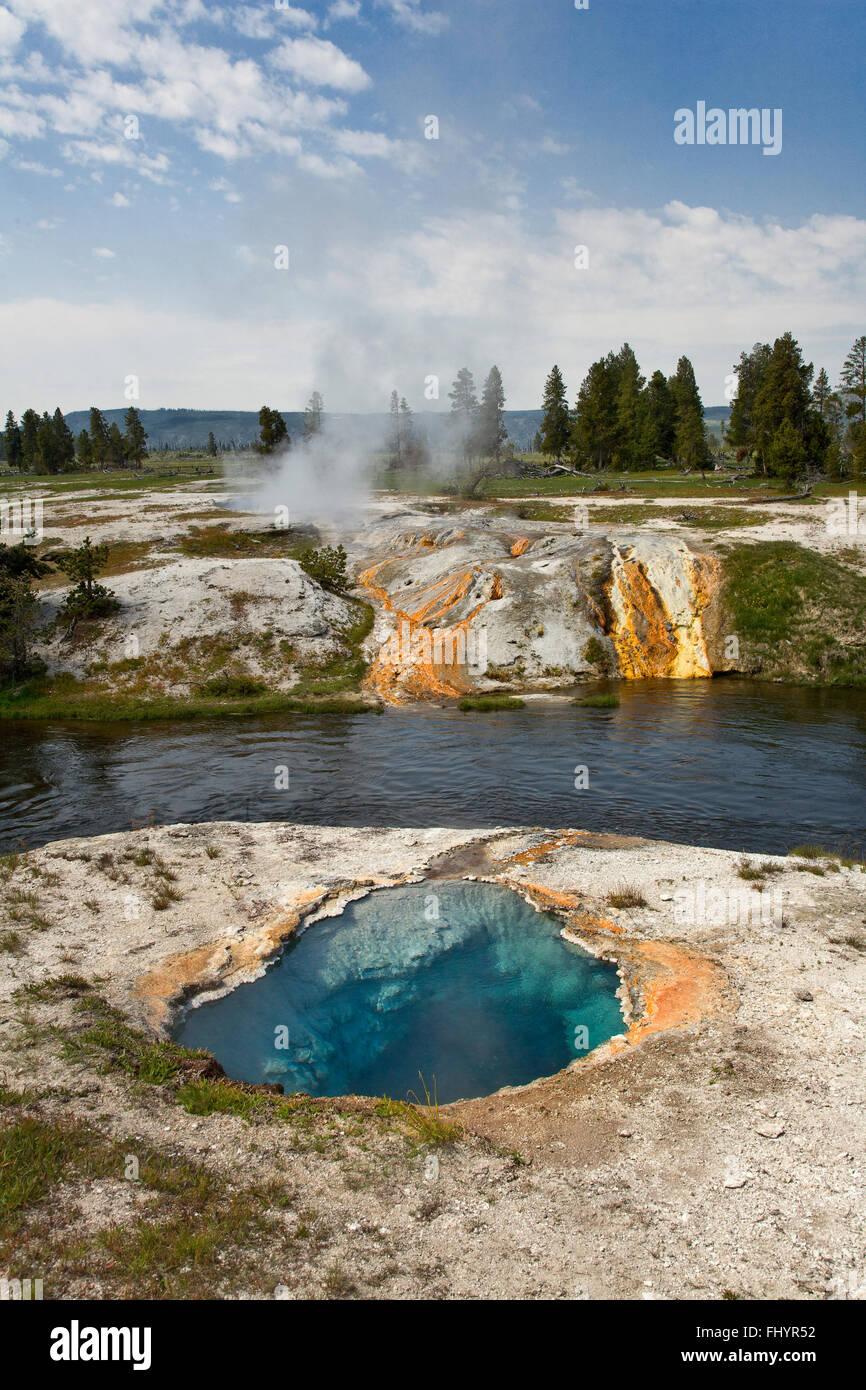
263 125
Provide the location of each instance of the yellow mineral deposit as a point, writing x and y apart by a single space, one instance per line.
420 660
658 598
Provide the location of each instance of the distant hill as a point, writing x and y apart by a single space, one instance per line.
189 429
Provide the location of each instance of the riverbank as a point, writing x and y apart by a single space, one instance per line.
683 1160
445 600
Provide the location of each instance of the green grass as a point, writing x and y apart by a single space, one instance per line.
488 703
596 702
798 615
33 702
220 542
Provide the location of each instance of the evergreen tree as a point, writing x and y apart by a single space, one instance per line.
98 437
464 411
555 425
115 452
690 435
750 372
853 383
314 416
48 460
12 438
593 428
211 445
786 456
273 433
84 451
29 441
87 599
630 384
135 437
785 393
492 433
395 440
821 393
65 441
658 420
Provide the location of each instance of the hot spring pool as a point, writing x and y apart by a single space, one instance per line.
463 984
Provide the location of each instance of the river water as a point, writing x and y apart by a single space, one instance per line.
733 764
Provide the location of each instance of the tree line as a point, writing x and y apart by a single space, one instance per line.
789 421
46 444
783 418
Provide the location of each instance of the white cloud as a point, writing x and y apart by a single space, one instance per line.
102 253
344 9
33 166
320 63
11 30
672 281
291 14
223 186
120 200
87 152
20 123
93 31
411 16
328 169
373 144
48 224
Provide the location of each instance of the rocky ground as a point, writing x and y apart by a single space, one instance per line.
520 597
715 1149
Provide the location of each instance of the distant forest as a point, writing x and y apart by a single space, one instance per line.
784 418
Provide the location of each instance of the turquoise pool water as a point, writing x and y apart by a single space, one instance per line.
462 983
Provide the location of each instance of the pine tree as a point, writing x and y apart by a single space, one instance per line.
628 407
84 452
395 442
786 456
658 420
211 448
64 442
314 416
750 371
785 393
29 441
853 383
593 428
464 411
821 393
46 445
690 437
115 453
135 437
98 437
12 437
492 433
273 433
555 424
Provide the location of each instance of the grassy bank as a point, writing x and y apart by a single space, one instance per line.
798 615
34 701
